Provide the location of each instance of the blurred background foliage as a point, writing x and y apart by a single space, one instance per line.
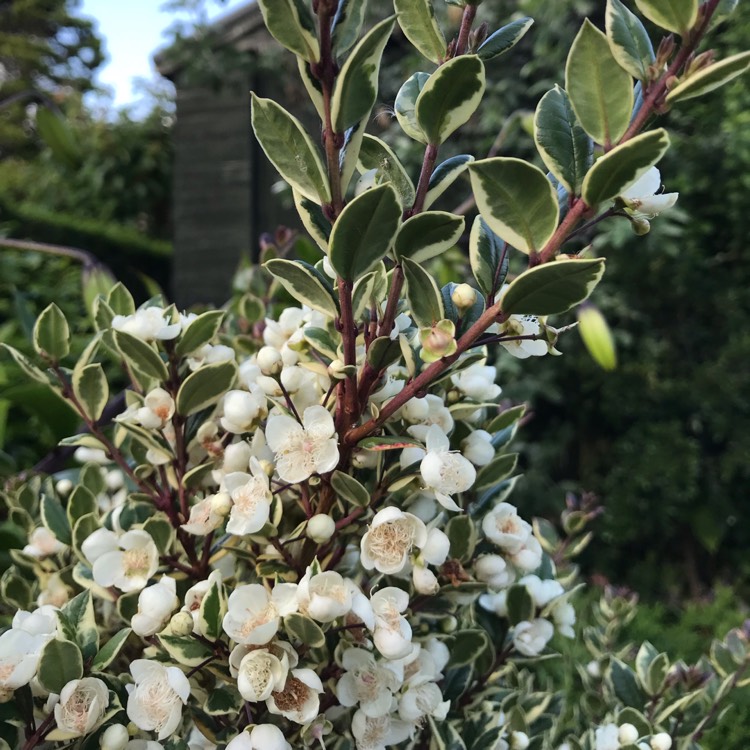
662 441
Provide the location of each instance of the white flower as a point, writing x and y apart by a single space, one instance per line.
42 621
627 734
204 517
477 382
115 737
494 571
606 737
387 544
478 448
519 741
529 557
19 657
530 638
443 472
155 606
379 733
438 414
303 449
147 324
269 360
421 701
565 617
661 741
325 596
366 682
158 408
253 615
242 409
435 550
503 526
542 592
155 701
131 560
210 354
81 707
392 634
299 699
425 581
524 325
43 543
641 196
251 499
55 592
497 603
260 673
262 737
144 745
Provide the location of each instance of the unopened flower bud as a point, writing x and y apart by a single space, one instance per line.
627 734
597 337
661 741
63 487
449 624
181 623
115 737
464 296
267 466
221 503
519 741
320 528
425 581
640 226
337 369
269 360
365 459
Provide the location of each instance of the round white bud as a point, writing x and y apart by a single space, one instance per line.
320 528
337 370
182 624
221 503
63 487
464 296
627 734
115 737
661 741
365 459
519 741
269 360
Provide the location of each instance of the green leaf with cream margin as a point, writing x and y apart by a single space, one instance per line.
552 288
450 97
417 20
289 22
205 387
357 84
91 389
516 200
623 165
405 105
347 24
364 231
305 283
51 333
504 39
290 149
678 16
600 91
444 175
710 78
628 40
428 234
565 147
488 257
422 294
376 154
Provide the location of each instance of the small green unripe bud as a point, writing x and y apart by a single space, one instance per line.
597 337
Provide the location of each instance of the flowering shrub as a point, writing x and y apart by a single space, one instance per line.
300 528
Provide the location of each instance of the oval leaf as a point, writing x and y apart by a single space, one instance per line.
60 662
710 78
423 295
417 20
289 22
141 356
516 200
405 105
205 387
450 97
565 147
428 234
552 288
91 389
364 231
375 154
200 332
678 16
628 40
488 256
290 149
51 333
357 83
444 176
305 284
504 39
623 165
347 24
600 91
109 651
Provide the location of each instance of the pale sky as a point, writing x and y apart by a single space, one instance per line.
132 32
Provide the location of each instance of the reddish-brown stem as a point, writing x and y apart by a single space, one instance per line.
428 166
567 225
40 733
470 12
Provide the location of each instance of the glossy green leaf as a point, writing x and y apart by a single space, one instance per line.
110 650
504 39
383 352
91 389
312 85
159 528
55 519
185 651
600 91
290 23
24 363
306 284
60 662
78 613
349 154
369 290
357 83
488 257
51 333
516 200
364 231
710 78
678 16
80 502
212 610
422 294
625 684
565 147
552 288
467 646
205 387
313 219
462 534
520 605
501 467
405 106
305 630
347 24
121 300
141 356
417 20
628 40
349 489
444 175
376 154
623 165
290 149
201 331
450 97
427 235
